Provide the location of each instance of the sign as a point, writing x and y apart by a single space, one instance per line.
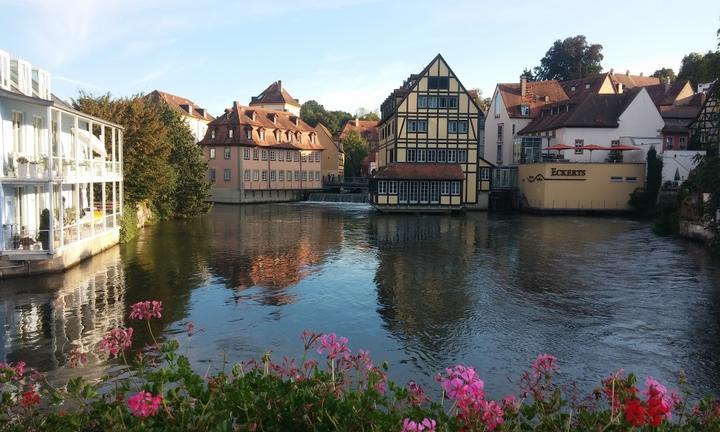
560 174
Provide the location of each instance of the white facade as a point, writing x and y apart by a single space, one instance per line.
60 171
501 139
678 164
197 126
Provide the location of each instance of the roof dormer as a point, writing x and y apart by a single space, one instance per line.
251 114
4 70
21 76
273 117
187 108
295 120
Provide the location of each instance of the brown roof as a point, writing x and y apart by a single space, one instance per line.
682 111
274 94
632 81
594 110
368 129
239 117
322 129
537 94
183 106
426 171
581 87
666 94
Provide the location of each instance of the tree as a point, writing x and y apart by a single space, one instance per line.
569 59
312 113
356 149
665 73
700 68
368 115
528 74
644 201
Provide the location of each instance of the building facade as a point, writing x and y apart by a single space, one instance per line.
332 167
261 155
61 180
275 97
429 152
196 118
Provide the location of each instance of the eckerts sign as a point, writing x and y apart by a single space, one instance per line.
567 172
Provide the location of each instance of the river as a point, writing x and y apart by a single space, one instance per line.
420 291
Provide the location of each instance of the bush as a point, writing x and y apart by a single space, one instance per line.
128 223
340 390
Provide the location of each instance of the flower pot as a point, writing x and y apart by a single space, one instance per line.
33 170
23 170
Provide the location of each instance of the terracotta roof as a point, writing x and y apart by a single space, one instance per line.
537 95
594 110
666 94
274 94
681 111
426 171
632 81
321 129
240 117
368 130
581 87
183 106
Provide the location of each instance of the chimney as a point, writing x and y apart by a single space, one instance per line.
523 85
627 72
667 82
641 73
620 88
612 71
280 85
357 122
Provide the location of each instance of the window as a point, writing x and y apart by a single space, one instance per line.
255 154
614 143
631 179
289 175
289 155
524 110
212 134
226 174
500 132
281 155
296 158
421 155
230 133
615 179
17 128
312 138
682 143
317 175
211 174
485 174
438 83
417 126
272 155
578 144
382 187
247 175
455 188
304 158
462 156
431 155
248 133
264 154
304 175
278 136
422 101
256 175
669 142
498 106
441 155
452 156
212 152
317 156
37 129
513 129
457 126
297 175
246 153
587 85
273 175
264 175
226 153
446 188
411 155
392 187
281 175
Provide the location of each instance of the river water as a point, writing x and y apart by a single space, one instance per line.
420 291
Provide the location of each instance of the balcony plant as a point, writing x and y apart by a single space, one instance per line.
33 169
26 242
22 167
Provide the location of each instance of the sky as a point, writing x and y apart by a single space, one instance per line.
345 54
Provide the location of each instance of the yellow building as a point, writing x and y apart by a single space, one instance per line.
429 152
592 187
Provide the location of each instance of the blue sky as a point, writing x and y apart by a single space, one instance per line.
346 54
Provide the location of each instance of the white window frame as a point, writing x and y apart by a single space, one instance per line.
264 175
256 175
382 187
226 174
227 153
246 153
248 175
455 185
392 187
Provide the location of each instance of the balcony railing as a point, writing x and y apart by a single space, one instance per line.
62 168
17 238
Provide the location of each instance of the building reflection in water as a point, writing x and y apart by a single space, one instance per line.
43 318
261 250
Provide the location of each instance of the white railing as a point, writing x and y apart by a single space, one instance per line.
17 238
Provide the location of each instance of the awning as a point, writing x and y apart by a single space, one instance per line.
92 142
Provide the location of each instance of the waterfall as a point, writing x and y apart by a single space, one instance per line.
338 197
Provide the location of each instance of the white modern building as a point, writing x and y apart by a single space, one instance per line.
60 176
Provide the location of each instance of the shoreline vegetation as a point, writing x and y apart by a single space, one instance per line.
331 387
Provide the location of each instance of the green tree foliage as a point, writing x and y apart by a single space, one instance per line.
700 68
370 115
665 73
569 59
356 149
146 147
645 200
528 74
313 113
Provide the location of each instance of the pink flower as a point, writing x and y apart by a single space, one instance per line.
492 415
116 340
511 403
545 364
658 401
77 357
463 385
13 372
29 399
416 394
144 404
334 346
146 310
426 424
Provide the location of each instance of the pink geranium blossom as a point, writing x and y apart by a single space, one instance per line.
146 310
144 404
14 372
416 394
426 425
463 385
116 341
492 415
545 364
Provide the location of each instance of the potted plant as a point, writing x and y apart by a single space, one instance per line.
26 242
33 169
16 241
44 166
22 166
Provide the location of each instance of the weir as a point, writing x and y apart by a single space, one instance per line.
337 197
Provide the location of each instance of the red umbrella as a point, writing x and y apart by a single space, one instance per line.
592 147
624 147
559 147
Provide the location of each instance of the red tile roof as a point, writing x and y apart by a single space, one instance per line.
420 171
180 105
239 117
274 94
368 130
537 94
666 94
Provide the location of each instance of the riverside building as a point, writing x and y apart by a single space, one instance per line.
257 154
61 176
429 151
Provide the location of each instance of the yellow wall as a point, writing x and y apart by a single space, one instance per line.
579 186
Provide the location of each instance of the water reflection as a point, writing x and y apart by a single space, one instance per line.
422 292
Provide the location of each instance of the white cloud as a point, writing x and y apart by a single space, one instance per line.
81 84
